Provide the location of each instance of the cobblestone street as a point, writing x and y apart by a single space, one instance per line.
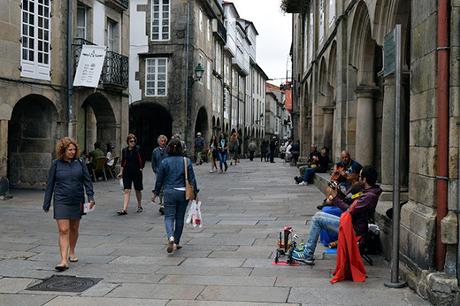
226 262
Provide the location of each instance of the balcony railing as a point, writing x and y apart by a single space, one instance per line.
115 71
118 4
219 29
294 6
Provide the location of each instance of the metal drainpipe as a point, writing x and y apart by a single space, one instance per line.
69 69
187 55
442 123
458 210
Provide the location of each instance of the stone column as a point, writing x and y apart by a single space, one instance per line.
388 124
328 126
365 125
3 147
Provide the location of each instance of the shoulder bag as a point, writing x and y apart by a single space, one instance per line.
189 193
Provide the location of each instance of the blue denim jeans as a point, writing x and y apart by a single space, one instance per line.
222 159
320 221
175 207
308 174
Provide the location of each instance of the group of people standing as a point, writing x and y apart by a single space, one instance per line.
220 148
69 180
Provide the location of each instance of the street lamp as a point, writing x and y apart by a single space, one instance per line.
198 73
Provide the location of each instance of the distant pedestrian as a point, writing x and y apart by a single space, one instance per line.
132 165
158 154
263 150
171 178
199 147
222 151
252 149
234 144
68 180
213 153
273 144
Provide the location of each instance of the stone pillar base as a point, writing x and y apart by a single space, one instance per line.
387 193
4 188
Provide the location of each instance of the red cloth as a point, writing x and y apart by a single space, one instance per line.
349 264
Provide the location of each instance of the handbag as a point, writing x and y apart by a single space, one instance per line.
189 193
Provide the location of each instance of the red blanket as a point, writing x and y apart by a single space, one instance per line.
349 264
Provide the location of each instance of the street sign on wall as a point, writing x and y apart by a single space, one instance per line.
90 66
389 54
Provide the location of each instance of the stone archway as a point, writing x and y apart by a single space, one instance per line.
32 135
364 62
148 121
201 123
96 123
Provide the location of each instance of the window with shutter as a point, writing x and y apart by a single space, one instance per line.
35 39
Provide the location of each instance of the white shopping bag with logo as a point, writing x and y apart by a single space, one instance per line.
194 214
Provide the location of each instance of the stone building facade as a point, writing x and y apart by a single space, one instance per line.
34 109
205 33
169 39
342 100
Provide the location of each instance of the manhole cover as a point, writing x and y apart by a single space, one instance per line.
65 283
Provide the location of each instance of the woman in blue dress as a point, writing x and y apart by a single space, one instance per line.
68 179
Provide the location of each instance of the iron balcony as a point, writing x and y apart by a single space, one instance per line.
115 72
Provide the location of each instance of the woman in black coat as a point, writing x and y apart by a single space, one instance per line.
68 179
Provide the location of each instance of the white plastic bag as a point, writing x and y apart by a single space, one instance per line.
194 214
121 185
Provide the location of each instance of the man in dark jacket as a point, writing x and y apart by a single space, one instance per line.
199 147
363 208
273 144
158 154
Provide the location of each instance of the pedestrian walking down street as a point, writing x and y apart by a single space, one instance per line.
199 147
222 150
171 178
234 144
213 153
132 165
273 144
68 179
158 154
252 149
263 150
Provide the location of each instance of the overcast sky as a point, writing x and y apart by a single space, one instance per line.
274 40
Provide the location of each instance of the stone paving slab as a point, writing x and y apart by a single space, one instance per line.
194 270
25 299
218 303
14 285
219 280
145 260
157 291
358 296
97 301
213 262
245 294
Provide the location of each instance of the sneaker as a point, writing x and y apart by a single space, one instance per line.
171 244
211 171
300 256
303 183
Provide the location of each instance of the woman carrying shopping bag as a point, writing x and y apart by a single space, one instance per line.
171 177
68 180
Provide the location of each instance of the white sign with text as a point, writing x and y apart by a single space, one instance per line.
90 66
